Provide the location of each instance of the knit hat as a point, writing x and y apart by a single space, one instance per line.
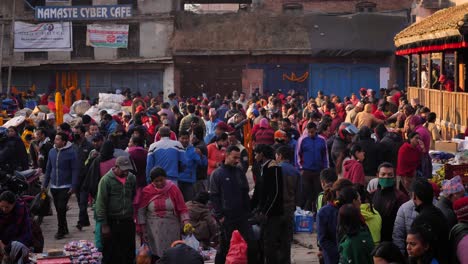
460 207
452 186
280 135
264 123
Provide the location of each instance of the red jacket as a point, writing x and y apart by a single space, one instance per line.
409 159
216 155
354 171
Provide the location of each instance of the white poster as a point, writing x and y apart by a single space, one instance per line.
43 37
107 36
384 77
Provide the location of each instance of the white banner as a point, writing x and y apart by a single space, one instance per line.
43 37
107 36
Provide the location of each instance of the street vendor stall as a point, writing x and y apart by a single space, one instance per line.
436 50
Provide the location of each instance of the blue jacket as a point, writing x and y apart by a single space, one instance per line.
210 130
190 163
312 153
327 219
111 127
166 154
63 168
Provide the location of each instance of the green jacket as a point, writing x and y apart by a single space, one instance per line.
356 249
115 200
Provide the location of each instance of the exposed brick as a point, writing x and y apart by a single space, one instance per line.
331 6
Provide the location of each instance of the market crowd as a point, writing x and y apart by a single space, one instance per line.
361 164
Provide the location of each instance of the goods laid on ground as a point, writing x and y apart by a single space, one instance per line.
74 252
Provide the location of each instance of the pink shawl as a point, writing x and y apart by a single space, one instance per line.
152 194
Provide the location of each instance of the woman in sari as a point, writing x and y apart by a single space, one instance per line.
161 212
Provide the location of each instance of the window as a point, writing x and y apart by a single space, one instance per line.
80 50
31 56
134 3
82 2
133 48
366 6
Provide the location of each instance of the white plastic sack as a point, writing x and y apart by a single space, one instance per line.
80 107
192 242
111 98
110 105
24 112
93 112
15 121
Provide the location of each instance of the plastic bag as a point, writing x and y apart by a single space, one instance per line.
40 206
144 255
192 242
238 250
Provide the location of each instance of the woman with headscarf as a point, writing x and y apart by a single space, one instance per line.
161 212
416 125
264 134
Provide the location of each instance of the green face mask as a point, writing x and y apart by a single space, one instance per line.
386 182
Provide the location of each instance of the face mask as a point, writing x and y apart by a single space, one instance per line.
386 182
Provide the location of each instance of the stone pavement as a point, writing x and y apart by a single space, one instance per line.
304 250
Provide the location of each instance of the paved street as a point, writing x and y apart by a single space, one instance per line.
300 253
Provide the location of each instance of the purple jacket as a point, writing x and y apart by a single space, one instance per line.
138 155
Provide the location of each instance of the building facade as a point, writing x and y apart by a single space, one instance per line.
145 65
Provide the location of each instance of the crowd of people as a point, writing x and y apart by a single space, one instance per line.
361 164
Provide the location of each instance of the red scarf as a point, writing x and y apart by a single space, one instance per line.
159 196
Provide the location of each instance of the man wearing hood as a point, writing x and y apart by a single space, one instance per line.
62 173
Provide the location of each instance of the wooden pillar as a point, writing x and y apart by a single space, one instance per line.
419 71
455 71
408 71
442 63
429 70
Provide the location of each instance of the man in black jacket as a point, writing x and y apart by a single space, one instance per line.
229 194
268 200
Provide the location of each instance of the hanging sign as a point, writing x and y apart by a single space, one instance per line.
107 36
98 12
43 37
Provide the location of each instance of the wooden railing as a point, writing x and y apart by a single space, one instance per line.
451 108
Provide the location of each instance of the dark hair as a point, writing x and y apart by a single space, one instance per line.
107 151
423 190
191 108
385 165
136 140
198 132
380 130
63 136
231 149
328 175
184 133
389 252
157 172
347 195
266 150
322 127
86 119
41 130
286 152
431 117
311 125
330 193
8 196
202 197
65 126
355 148
223 136
349 220
412 135
108 117
81 128
286 120
195 119
364 195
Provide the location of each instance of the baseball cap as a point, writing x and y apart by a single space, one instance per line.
124 163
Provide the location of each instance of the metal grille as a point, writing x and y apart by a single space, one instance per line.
80 50
133 48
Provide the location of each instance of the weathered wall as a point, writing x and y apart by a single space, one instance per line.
343 6
154 38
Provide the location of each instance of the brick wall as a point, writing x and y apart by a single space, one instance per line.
336 6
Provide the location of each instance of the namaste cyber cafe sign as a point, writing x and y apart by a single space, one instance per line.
67 13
